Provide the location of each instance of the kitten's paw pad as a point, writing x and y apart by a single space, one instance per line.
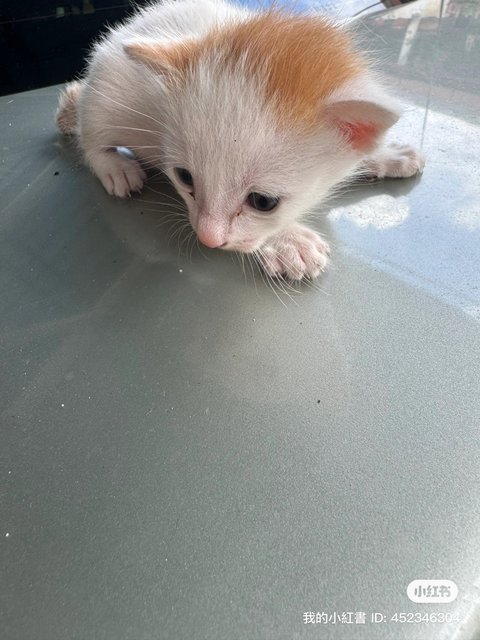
396 161
295 254
120 176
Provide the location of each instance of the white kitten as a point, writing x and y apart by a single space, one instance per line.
254 117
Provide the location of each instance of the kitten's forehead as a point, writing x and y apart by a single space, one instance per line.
225 128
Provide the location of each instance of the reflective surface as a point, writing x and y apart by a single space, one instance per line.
184 455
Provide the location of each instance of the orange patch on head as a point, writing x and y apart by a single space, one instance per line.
300 60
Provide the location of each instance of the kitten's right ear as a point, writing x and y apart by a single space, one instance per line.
165 58
361 122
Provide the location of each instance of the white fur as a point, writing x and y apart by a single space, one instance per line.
219 128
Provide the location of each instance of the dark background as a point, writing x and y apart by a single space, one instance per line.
45 42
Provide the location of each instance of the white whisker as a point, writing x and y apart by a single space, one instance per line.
124 106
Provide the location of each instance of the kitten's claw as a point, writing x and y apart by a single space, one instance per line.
395 161
295 253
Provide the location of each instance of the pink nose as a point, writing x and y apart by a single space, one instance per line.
211 240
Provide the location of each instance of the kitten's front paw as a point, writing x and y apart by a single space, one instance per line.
121 181
395 161
120 176
296 253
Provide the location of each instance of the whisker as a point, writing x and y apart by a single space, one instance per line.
252 269
124 106
178 229
282 284
271 283
192 239
170 221
164 206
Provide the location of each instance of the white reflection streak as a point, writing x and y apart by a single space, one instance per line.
381 212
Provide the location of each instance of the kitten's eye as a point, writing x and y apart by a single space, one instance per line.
184 176
261 202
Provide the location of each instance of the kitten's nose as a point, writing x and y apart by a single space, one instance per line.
212 229
211 240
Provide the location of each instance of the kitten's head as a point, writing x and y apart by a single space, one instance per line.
260 120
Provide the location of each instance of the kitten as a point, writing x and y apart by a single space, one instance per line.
255 116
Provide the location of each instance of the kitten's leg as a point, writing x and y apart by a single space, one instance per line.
297 252
87 112
394 161
101 131
119 175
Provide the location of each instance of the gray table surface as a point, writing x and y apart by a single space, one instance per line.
186 455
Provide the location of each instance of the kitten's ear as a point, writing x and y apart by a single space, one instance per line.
162 57
361 122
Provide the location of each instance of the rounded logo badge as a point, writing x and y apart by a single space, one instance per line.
432 591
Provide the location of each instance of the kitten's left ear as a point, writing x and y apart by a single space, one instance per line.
361 122
165 58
